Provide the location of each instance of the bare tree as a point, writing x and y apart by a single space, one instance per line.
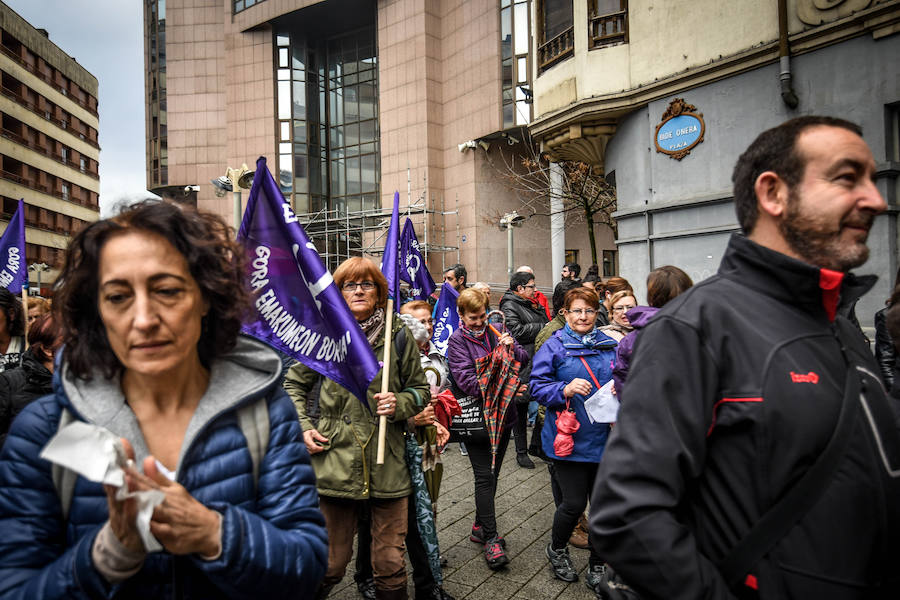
586 196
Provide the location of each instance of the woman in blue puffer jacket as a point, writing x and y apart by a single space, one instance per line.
150 305
568 369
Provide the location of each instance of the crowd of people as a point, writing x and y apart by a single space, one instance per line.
756 453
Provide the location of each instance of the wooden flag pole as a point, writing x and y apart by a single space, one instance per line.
385 376
25 314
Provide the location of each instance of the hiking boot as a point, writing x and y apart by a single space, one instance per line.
595 575
561 562
524 461
366 588
435 593
579 537
477 536
494 554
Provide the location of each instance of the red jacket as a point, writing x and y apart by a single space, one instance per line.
541 299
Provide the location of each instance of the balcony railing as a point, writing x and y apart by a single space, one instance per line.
15 137
46 190
24 102
558 48
47 79
606 29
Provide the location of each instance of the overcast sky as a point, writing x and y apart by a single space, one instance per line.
106 38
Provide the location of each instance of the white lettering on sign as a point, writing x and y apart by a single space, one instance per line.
289 216
259 277
686 130
13 260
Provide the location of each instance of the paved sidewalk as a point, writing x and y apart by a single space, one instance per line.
524 517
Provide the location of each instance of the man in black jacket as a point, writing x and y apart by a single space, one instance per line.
736 389
524 320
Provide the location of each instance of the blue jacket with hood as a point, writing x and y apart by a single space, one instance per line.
273 536
556 364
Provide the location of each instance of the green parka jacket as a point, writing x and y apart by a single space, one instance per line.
346 468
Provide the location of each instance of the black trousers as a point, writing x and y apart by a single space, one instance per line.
423 579
520 430
575 480
485 481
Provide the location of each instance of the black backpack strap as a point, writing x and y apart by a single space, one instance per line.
781 517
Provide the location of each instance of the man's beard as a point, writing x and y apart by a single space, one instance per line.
820 244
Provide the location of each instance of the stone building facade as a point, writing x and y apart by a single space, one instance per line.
350 100
609 72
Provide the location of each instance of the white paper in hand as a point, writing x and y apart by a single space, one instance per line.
603 405
97 455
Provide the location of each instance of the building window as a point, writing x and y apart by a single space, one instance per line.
64 154
83 164
240 5
609 263
892 138
607 22
515 45
157 113
557 32
326 109
572 256
65 191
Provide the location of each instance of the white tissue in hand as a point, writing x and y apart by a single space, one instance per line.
93 452
97 455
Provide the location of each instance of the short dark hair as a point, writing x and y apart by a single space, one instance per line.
520 278
12 308
665 283
459 271
215 260
774 150
594 270
574 268
44 337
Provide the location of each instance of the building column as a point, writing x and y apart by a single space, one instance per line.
557 221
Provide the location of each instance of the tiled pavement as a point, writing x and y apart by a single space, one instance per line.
524 516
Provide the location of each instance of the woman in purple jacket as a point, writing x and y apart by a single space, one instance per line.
663 284
470 342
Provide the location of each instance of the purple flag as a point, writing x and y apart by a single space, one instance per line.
446 319
297 307
389 261
413 269
14 272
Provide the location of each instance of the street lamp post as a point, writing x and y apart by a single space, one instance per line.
38 268
507 222
232 181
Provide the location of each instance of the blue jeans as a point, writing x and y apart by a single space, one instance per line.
532 412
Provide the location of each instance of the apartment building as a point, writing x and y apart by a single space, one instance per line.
48 143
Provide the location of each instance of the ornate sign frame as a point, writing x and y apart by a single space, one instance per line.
679 108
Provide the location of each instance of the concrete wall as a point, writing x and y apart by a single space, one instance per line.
689 201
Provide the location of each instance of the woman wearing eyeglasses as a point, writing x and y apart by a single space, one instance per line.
570 367
342 444
619 325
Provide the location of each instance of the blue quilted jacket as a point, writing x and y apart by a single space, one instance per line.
556 364
274 543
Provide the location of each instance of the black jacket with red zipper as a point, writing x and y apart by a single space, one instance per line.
734 391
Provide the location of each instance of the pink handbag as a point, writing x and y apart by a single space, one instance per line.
566 425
